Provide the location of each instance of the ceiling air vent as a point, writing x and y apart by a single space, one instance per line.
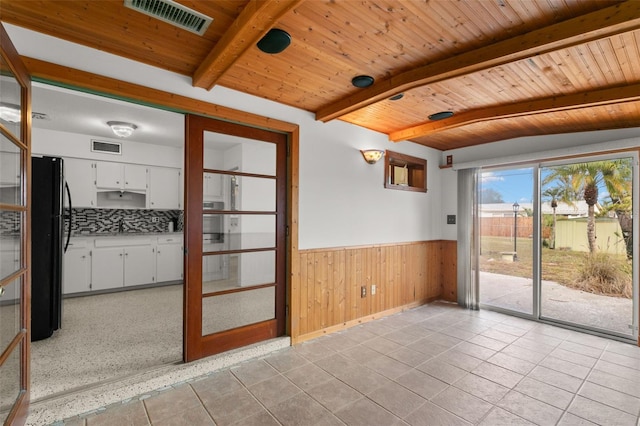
173 13
106 147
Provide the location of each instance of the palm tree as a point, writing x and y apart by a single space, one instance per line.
585 179
554 193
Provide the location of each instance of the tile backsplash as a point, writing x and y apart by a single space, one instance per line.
97 221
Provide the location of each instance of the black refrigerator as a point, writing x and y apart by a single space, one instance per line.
47 234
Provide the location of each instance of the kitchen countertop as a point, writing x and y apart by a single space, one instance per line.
125 234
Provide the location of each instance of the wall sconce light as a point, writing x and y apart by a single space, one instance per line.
121 128
372 156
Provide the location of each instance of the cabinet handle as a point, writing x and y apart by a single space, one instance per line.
158 251
120 254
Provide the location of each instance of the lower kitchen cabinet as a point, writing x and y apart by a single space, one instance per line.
170 260
105 263
107 268
139 265
214 267
77 267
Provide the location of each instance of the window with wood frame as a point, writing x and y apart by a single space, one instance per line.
405 172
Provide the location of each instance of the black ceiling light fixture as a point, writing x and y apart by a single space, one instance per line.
275 41
440 115
397 97
362 81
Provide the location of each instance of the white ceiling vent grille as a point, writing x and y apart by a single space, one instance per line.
173 13
106 147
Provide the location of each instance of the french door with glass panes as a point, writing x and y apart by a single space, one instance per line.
15 285
235 236
555 242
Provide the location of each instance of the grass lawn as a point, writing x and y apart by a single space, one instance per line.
560 266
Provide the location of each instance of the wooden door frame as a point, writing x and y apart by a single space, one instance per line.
197 345
19 412
63 76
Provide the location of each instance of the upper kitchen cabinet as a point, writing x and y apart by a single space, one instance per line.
80 176
9 168
164 188
212 187
120 176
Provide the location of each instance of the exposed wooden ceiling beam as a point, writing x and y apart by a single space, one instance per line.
614 95
253 22
622 17
94 83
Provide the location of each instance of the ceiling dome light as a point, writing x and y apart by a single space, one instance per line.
275 41
440 115
397 97
122 129
10 113
362 81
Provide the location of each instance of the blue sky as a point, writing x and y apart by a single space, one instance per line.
514 185
517 184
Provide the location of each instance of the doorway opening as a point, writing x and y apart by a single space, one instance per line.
122 291
555 243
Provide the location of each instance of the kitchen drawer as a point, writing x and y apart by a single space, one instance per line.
122 242
79 243
176 239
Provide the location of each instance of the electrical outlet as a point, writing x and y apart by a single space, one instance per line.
363 291
373 289
155 219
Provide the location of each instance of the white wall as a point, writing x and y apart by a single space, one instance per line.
537 144
64 144
342 198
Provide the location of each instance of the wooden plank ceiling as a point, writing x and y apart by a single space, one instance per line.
505 68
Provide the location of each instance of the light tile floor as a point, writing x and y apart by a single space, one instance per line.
434 365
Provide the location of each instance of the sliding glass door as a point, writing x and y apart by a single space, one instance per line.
506 218
587 260
555 242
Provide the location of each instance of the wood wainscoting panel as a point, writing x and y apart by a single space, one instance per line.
331 280
449 268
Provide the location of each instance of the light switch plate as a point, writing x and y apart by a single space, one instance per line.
451 219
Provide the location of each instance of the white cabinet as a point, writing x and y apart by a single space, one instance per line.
213 265
80 176
139 265
107 268
164 188
77 267
103 263
9 255
9 169
212 187
118 262
169 259
120 176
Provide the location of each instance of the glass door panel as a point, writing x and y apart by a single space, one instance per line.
238 248
232 310
236 272
15 101
10 385
505 211
587 247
